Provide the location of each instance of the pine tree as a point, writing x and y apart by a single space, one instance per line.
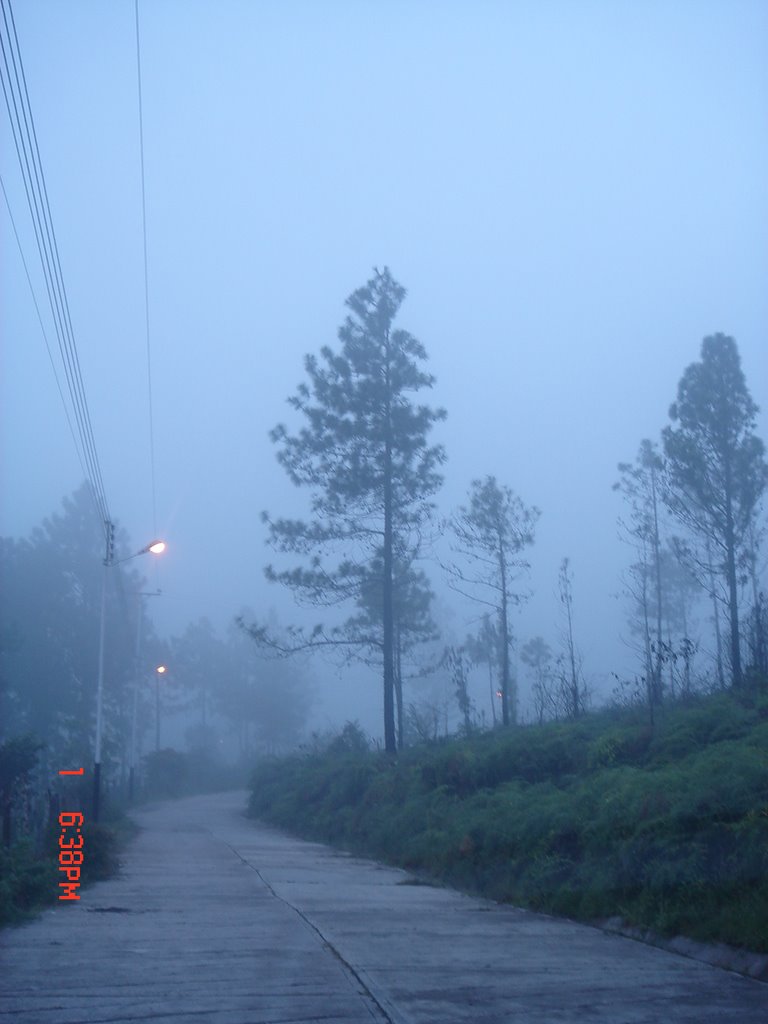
491 532
640 485
363 453
717 469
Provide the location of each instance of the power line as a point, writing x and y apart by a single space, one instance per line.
54 281
146 273
27 150
17 102
44 333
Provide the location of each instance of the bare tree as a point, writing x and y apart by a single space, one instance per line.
455 660
484 648
640 484
575 691
491 532
537 655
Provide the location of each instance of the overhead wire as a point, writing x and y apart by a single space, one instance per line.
17 101
43 330
50 254
16 94
25 139
146 273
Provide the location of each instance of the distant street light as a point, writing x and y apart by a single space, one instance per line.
156 547
159 671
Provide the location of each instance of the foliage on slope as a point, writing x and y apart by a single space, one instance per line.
29 847
667 828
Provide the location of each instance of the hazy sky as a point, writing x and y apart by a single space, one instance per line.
573 193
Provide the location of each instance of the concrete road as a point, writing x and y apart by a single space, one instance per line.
217 919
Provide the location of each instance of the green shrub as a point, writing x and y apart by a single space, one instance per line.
668 829
100 857
26 882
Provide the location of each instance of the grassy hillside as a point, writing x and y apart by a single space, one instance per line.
667 828
29 877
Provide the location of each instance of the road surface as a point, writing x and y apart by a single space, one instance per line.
217 919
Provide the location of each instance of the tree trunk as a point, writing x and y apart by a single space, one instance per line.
493 689
505 715
399 688
649 666
687 676
657 559
716 615
390 741
733 594
575 702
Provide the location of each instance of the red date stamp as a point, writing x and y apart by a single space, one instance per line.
70 853
70 848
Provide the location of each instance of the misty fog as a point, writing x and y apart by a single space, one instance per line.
573 196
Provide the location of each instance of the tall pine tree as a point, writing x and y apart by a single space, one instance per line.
716 463
364 454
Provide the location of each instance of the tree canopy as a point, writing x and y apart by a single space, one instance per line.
364 454
716 463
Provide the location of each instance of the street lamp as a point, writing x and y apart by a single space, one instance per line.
156 547
159 671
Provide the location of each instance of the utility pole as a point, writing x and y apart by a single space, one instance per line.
156 548
109 559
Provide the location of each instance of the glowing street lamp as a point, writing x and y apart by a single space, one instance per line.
156 547
159 671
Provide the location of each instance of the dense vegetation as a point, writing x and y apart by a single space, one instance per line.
665 826
50 619
29 869
29 851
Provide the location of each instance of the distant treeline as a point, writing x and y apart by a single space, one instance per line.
365 454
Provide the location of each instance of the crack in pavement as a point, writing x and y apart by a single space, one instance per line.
387 1011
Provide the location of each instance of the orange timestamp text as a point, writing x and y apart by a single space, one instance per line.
70 853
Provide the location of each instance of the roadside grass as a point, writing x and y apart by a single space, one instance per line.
28 882
29 878
603 817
